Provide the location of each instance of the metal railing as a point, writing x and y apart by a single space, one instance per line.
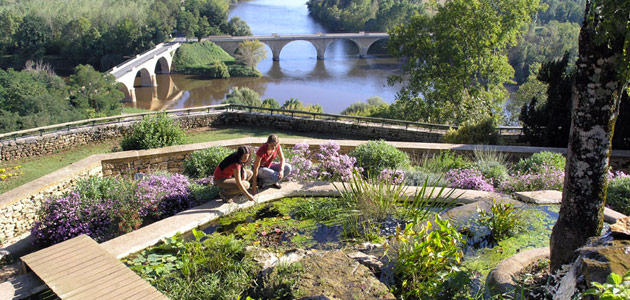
293 113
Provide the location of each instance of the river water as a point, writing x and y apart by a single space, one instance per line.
334 83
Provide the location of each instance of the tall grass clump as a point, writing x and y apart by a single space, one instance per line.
492 165
153 132
375 156
203 162
443 162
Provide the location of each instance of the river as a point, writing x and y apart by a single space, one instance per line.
334 83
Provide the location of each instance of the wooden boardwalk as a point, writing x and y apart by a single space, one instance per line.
81 269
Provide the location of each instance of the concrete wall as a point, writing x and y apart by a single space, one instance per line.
64 139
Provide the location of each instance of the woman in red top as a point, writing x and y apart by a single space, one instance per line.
231 177
267 173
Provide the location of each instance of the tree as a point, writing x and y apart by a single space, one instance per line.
251 53
243 96
9 25
94 93
32 37
602 77
456 64
238 27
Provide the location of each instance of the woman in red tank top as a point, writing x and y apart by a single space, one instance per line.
231 177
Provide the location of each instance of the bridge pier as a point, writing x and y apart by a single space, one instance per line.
363 52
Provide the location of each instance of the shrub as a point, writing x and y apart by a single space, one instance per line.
540 162
375 156
164 196
501 220
243 96
218 69
493 171
203 192
468 179
426 258
444 161
484 132
271 103
619 194
332 165
546 179
418 177
241 70
203 162
153 132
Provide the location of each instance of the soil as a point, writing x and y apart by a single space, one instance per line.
535 281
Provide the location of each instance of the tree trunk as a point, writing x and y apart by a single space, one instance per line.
596 95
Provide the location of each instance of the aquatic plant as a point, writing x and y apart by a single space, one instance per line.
502 219
425 257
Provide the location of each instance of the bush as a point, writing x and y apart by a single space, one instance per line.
619 194
241 70
203 162
243 96
444 161
468 179
153 132
540 162
546 179
375 156
163 196
484 132
333 165
491 164
418 177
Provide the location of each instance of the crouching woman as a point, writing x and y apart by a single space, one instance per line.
231 177
266 172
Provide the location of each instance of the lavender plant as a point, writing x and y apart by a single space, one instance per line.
332 165
549 178
468 179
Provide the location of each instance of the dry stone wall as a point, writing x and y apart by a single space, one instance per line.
18 216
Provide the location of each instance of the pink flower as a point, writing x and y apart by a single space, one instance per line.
278 230
264 233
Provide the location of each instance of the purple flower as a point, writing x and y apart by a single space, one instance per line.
468 179
392 176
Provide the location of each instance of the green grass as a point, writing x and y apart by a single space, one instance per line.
132 110
36 167
198 54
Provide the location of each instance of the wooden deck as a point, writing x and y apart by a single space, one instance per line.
80 268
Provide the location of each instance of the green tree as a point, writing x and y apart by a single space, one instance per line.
374 107
9 24
32 37
238 27
271 103
243 96
251 53
457 65
602 78
532 88
94 93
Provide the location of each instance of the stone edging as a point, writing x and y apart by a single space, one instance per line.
501 279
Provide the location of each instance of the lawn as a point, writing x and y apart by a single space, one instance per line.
35 167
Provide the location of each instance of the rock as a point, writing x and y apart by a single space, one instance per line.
369 261
603 256
292 256
263 257
334 275
621 229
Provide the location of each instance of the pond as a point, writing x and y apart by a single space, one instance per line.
322 225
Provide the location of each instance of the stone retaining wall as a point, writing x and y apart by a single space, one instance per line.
18 217
12 149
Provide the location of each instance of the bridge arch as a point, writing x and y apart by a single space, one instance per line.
364 44
164 65
147 78
130 94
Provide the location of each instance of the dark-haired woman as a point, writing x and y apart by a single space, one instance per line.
266 172
231 177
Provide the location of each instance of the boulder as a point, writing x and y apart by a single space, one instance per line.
621 229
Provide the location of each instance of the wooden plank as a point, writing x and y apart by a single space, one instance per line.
55 253
82 269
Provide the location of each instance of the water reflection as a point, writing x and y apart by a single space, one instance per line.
334 83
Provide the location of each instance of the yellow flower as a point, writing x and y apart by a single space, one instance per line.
3 177
2 170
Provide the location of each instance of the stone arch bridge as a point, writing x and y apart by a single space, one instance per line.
162 55
320 41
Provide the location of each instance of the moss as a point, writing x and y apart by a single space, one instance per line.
536 235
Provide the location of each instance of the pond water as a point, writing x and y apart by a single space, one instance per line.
334 83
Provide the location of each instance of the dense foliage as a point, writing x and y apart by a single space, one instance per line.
102 32
375 107
104 208
203 162
37 97
457 64
481 132
152 132
618 197
370 15
375 156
